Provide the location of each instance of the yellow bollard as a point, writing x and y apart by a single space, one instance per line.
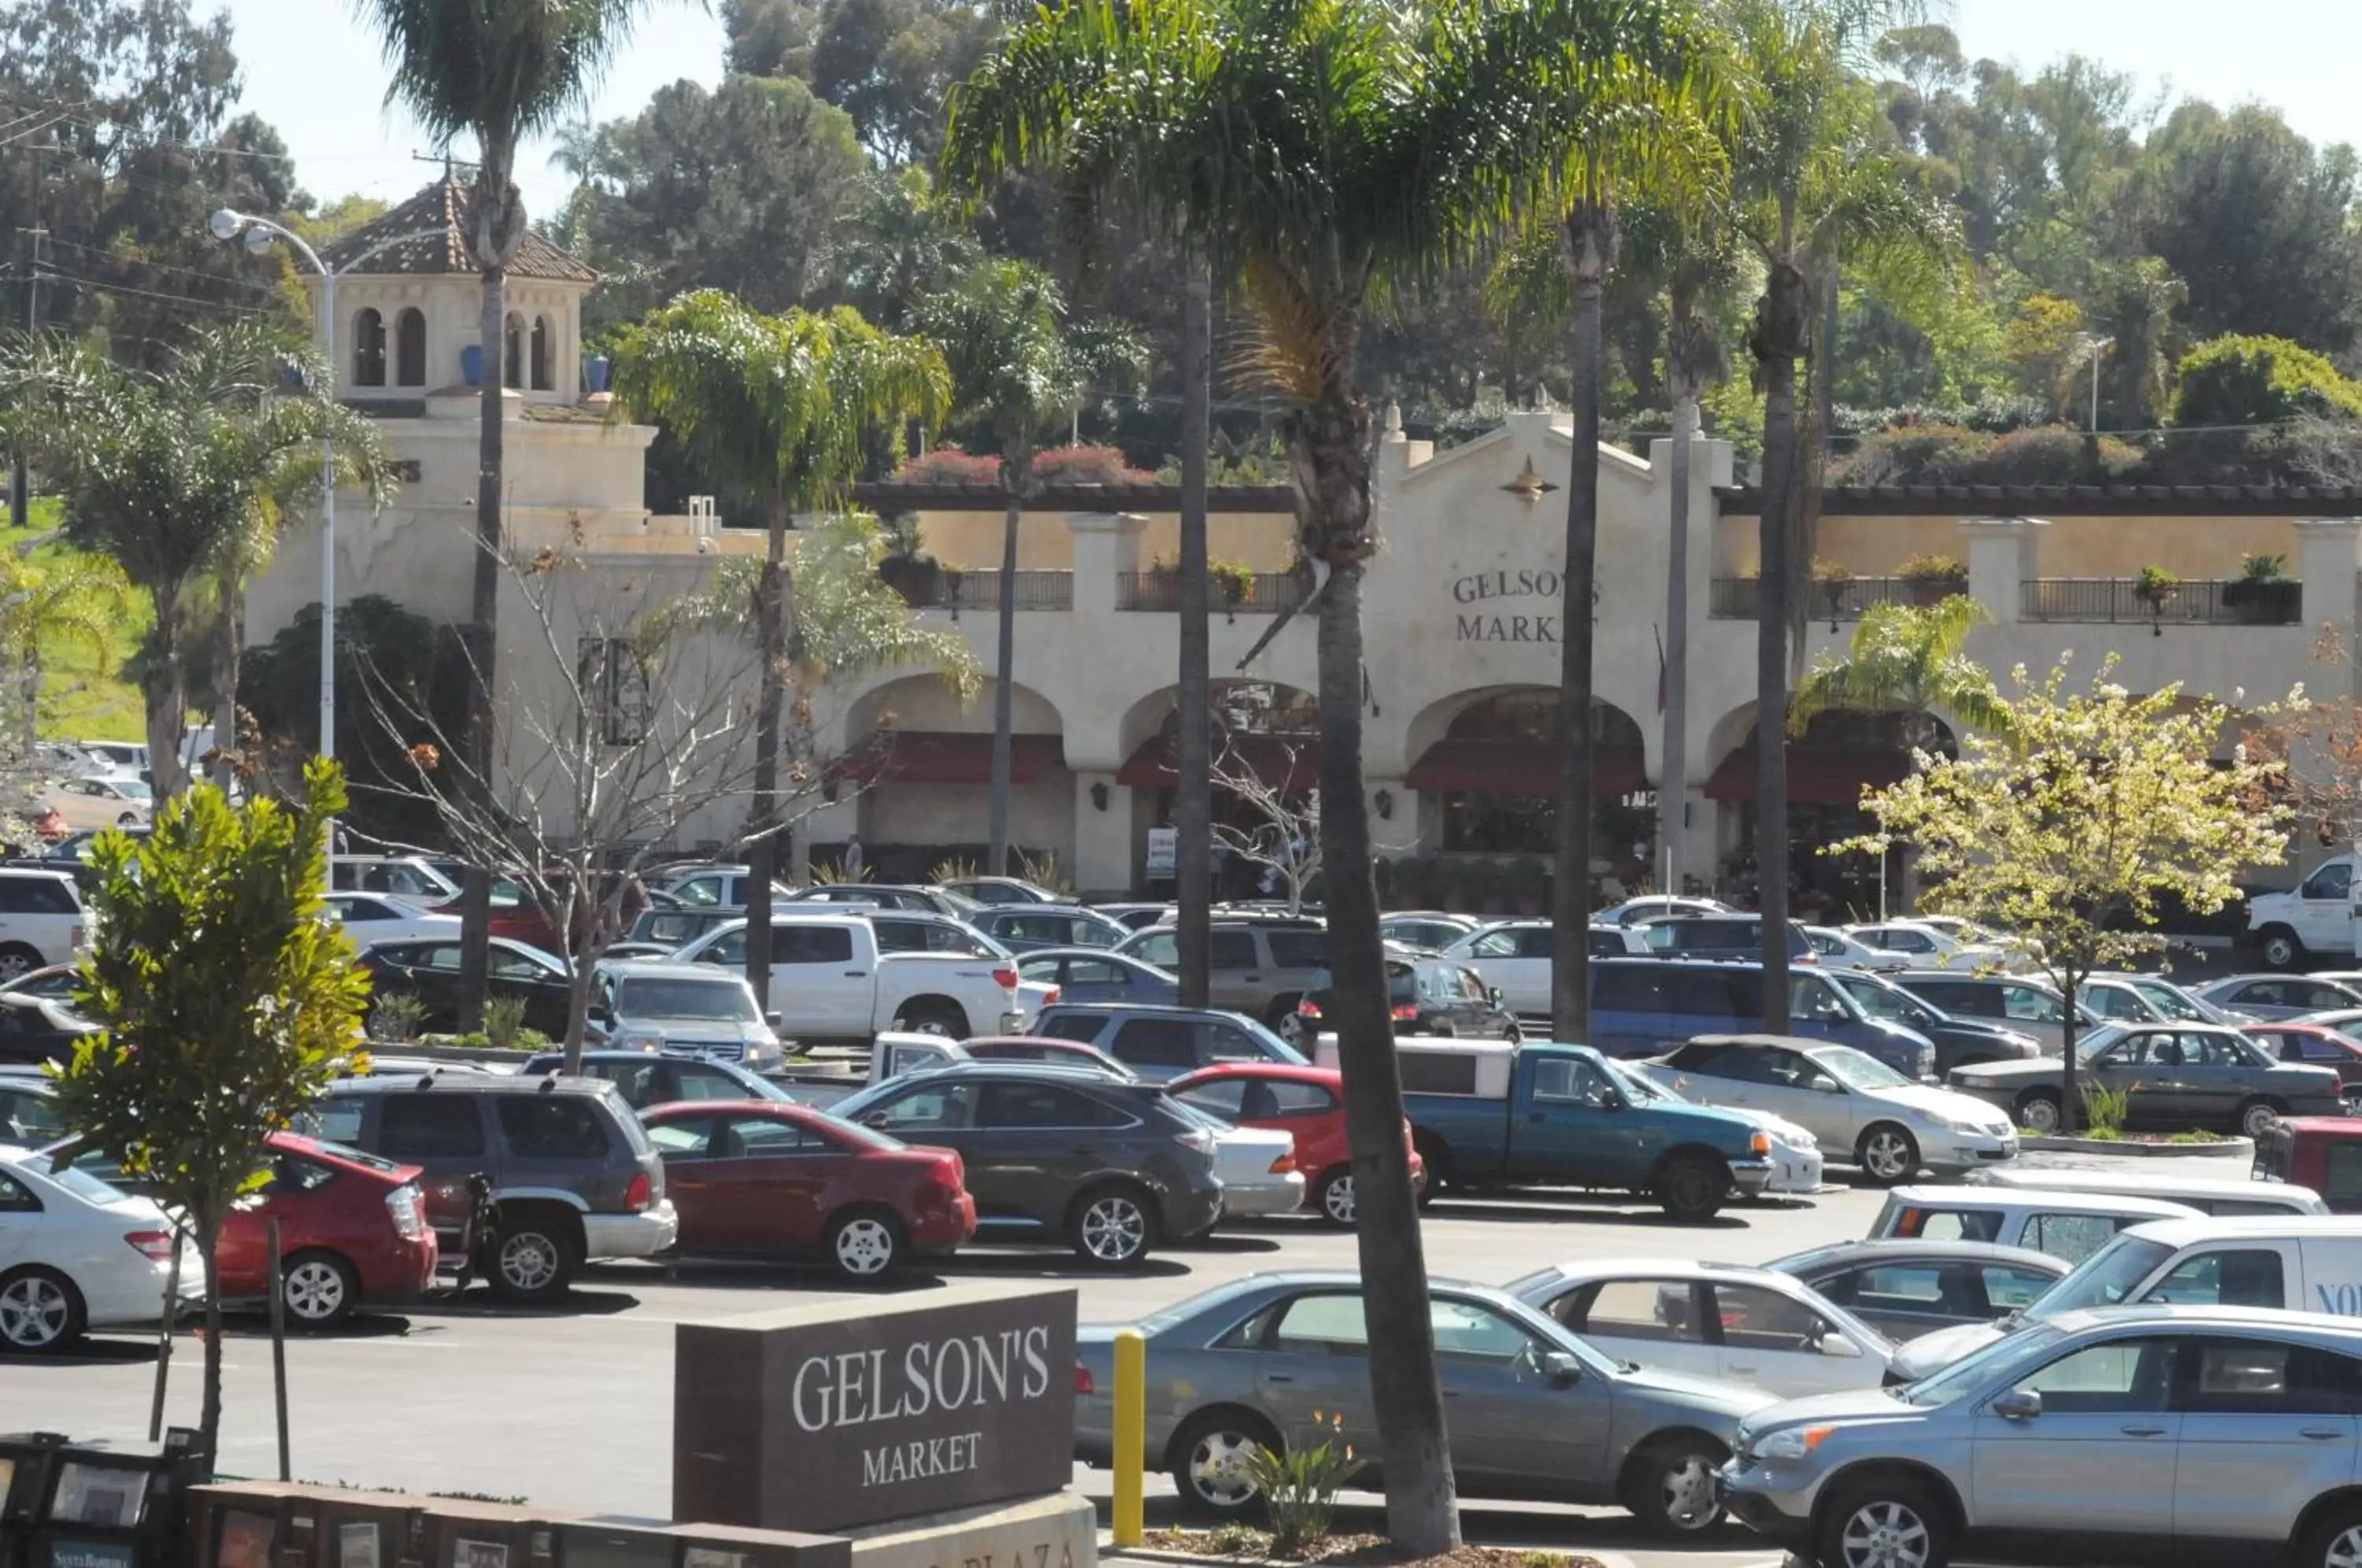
1130 1434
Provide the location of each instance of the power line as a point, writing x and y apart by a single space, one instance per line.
58 275
127 260
65 115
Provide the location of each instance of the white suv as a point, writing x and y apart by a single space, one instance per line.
41 920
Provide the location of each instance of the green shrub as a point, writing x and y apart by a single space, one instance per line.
2258 381
1300 1488
2104 1108
503 1022
396 1017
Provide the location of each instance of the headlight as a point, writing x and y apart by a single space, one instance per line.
1959 1124
637 1040
1794 1442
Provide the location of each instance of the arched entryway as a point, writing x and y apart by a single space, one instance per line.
1488 784
922 761
1264 749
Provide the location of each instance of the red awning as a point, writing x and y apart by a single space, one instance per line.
950 757
1503 767
1287 765
1818 776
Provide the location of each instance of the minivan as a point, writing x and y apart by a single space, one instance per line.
1645 1007
2223 1196
2070 1225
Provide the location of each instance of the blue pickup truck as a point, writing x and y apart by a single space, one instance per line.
1485 1112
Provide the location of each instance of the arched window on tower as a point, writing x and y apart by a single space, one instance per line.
368 349
542 347
409 348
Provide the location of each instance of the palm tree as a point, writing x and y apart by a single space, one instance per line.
177 472
496 71
1017 368
1314 151
1912 660
782 408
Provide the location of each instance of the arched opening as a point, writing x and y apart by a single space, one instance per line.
512 356
922 761
368 349
1264 753
1493 775
541 351
409 348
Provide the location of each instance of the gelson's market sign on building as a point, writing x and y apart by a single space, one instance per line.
820 1419
1507 604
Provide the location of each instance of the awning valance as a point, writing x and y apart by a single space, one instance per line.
1290 765
950 757
1513 767
1818 776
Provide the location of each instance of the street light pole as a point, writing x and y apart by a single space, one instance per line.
2093 346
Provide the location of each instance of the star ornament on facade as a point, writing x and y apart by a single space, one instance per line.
1530 486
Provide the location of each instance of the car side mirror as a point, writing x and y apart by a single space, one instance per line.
1827 1085
1561 1367
874 1119
1840 1345
2017 1405
1492 995
772 1017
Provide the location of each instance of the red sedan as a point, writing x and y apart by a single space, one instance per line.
1307 1101
774 1181
352 1228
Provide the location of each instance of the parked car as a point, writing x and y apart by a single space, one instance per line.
1114 1168
1925 945
2320 1154
1838 949
2173 1076
430 971
1435 996
28 1118
403 876
1659 906
832 978
1430 930
1720 936
1026 928
1261 967
1308 1104
886 896
120 756
669 930
2146 999
571 1171
103 801
1645 1007
1281 1361
2310 1262
33 1030
1514 957
686 1009
42 920
774 1181
1092 974
901 1054
1163 1043
52 982
646 1077
923 930
2274 998
2030 1006
996 891
1958 1041
2221 1196
1545 1115
2068 1439
1749 1326
1860 1110
1909 1287
2314 1043
1136 917
714 888
374 918
352 1232
2068 1225
77 1253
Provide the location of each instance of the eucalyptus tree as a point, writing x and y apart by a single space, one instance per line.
783 408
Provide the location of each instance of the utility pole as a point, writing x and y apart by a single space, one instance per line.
20 483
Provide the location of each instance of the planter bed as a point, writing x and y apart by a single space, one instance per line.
2141 1146
1342 1550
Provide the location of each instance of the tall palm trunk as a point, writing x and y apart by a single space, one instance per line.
1782 320
763 850
1591 245
1016 470
228 649
165 696
1330 448
483 638
1193 793
1674 771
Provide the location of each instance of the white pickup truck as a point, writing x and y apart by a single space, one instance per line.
2319 917
829 981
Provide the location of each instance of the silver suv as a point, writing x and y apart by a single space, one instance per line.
2137 1428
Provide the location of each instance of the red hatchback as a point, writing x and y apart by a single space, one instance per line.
352 1228
1307 1101
762 1178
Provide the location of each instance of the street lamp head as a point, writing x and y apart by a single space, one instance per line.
258 240
226 223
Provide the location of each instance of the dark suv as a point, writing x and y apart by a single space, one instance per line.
1114 1167
1162 1043
574 1176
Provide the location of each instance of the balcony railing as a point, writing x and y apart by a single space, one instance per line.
1270 592
981 591
2201 602
1735 598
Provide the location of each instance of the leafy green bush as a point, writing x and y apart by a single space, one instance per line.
2243 381
504 1021
396 1017
1300 1488
2104 1108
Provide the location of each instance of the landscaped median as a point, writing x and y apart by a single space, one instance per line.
2144 1145
1239 1546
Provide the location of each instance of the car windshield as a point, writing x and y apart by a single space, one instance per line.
2171 1001
2106 1278
132 789
649 997
1886 1001
1854 1070
1635 1088
1973 1371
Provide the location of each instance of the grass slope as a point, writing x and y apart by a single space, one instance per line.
84 695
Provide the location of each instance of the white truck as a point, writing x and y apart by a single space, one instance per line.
830 982
2319 918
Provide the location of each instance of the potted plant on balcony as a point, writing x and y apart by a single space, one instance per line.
1931 580
2156 587
1235 578
907 569
1830 580
2263 593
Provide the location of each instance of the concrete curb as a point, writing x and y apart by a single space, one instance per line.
1111 1554
2127 1148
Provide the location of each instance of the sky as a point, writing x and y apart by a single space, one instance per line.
313 72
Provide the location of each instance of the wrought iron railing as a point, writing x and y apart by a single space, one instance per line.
980 590
1267 593
1735 598
2201 602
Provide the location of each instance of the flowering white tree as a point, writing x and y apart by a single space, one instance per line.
2068 831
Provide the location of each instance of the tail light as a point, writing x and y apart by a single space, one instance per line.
1083 1384
939 1189
1283 1165
1052 1000
640 1194
408 1211
1005 978
156 1246
1406 1013
1307 1008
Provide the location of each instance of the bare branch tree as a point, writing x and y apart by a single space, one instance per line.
1285 839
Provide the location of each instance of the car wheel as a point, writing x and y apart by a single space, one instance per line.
319 1290
1209 1464
1282 1006
2279 949
532 1259
2336 1542
942 1018
1514 1034
1887 1154
1690 1188
15 960
1334 1197
864 1245
1883 1523
1670 1485
2038 1109
129 819
40 1311
1112 1226
1292 1030
2257 1116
